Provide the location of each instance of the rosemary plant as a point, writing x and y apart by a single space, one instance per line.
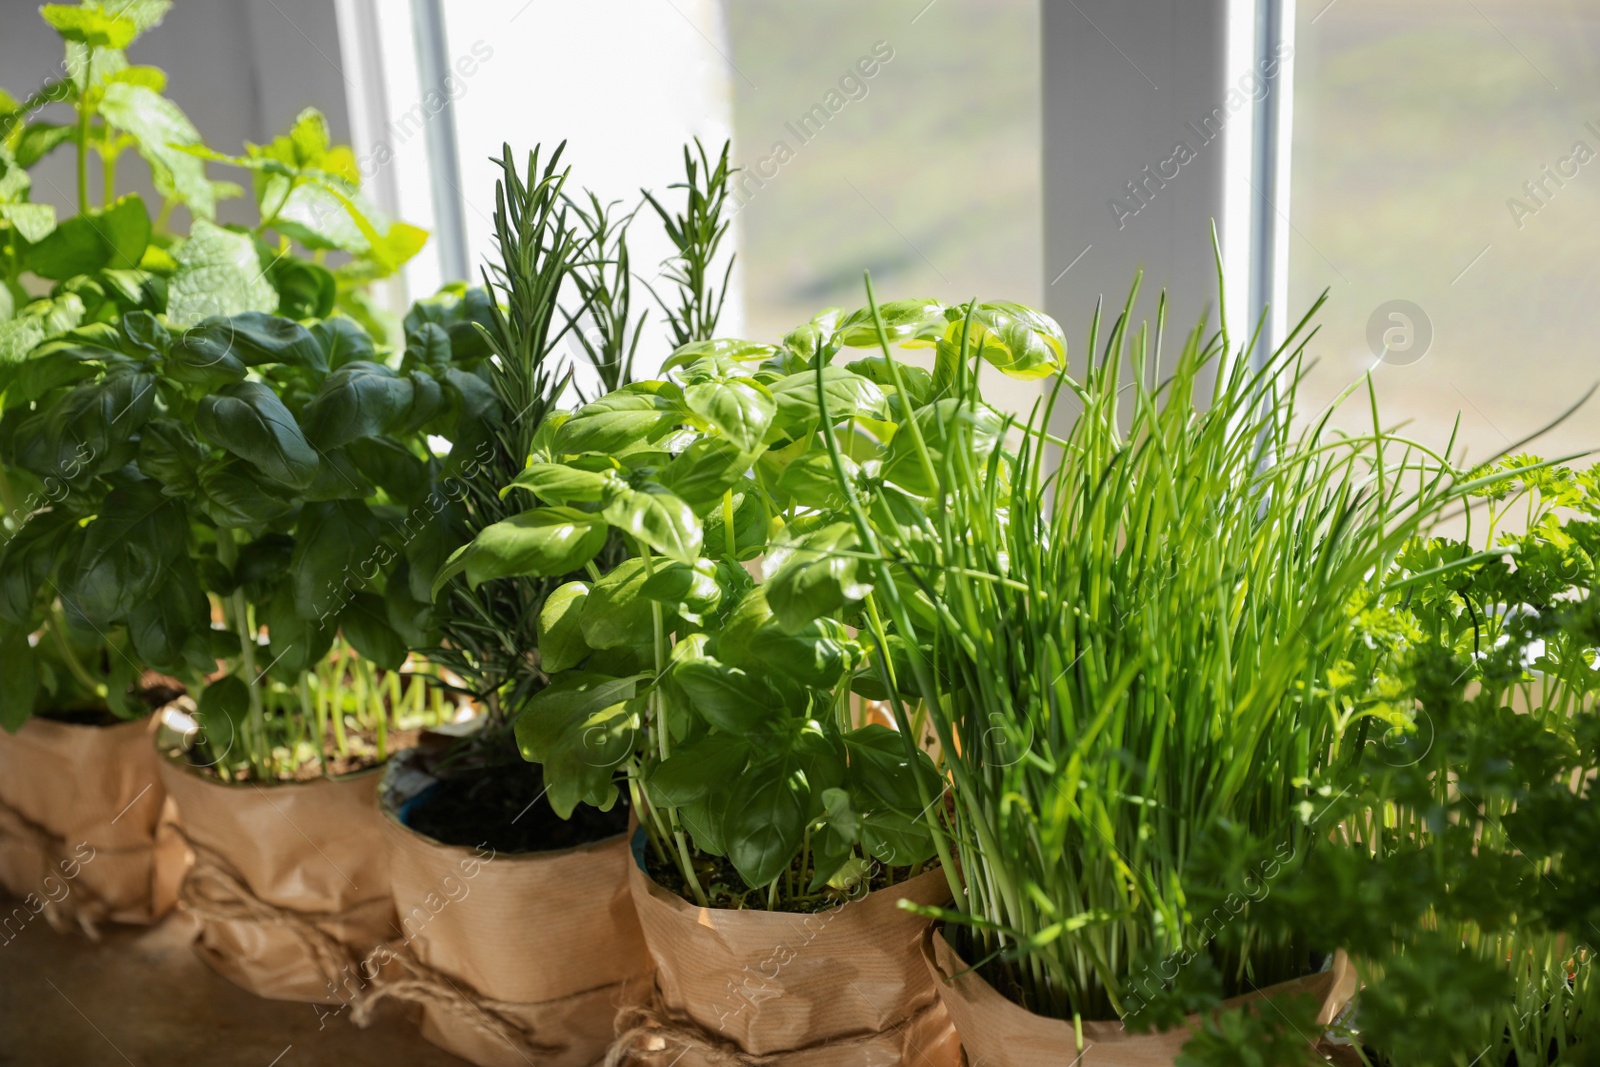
697 234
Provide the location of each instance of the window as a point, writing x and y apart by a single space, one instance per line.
1446 189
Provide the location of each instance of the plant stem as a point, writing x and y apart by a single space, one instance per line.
85 112
57 625
312 710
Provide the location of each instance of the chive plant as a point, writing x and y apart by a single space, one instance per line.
1123 635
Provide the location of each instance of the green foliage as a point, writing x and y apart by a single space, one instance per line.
736 721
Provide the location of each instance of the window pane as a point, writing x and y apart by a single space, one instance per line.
899 137
1444 155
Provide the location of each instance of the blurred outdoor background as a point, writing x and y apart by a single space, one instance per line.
1416 126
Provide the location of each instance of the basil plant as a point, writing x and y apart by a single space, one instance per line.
276 467
716 666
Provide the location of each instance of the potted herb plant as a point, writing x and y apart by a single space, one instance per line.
75 687
1471 705
713 670
534 962
1124 665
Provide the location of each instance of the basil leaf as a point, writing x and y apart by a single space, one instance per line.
342 341
359 399
232 497
561 643
617 613
616 420
848 395
365 624
817 577
248 420
726 697
544 542
740 409
765 820
558 483
657 518
879 768
336 552
137 532
580 728
696 768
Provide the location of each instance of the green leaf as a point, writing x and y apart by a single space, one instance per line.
365 624
223 706
765 821
561 644
580 728
126 549
616 420
169 453
26 562
1021 342
725 349
93 240
557 483
897 838
233 496
849 396
811 481
544 542
342 341
305 290
726 697
248 420
219 274
391 467
698 767
295 643
689 590
39 139
816 655
359 399
702 473
91 24
33 222
740 409
879 767
903 320
657 518
19 678
160 129
816 577
335 554
617 614
204 356
259 339
949 426
163 625
918 382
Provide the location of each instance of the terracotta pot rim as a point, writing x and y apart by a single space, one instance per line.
392 817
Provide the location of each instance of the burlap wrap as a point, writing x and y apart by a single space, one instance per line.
512 958
998 1033
290 882
842 988
85 828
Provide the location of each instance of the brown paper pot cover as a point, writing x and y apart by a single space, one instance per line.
842 988
547 941
998 1033
85 830
290 883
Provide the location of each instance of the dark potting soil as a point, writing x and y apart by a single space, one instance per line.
726 889
156 692
503 806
